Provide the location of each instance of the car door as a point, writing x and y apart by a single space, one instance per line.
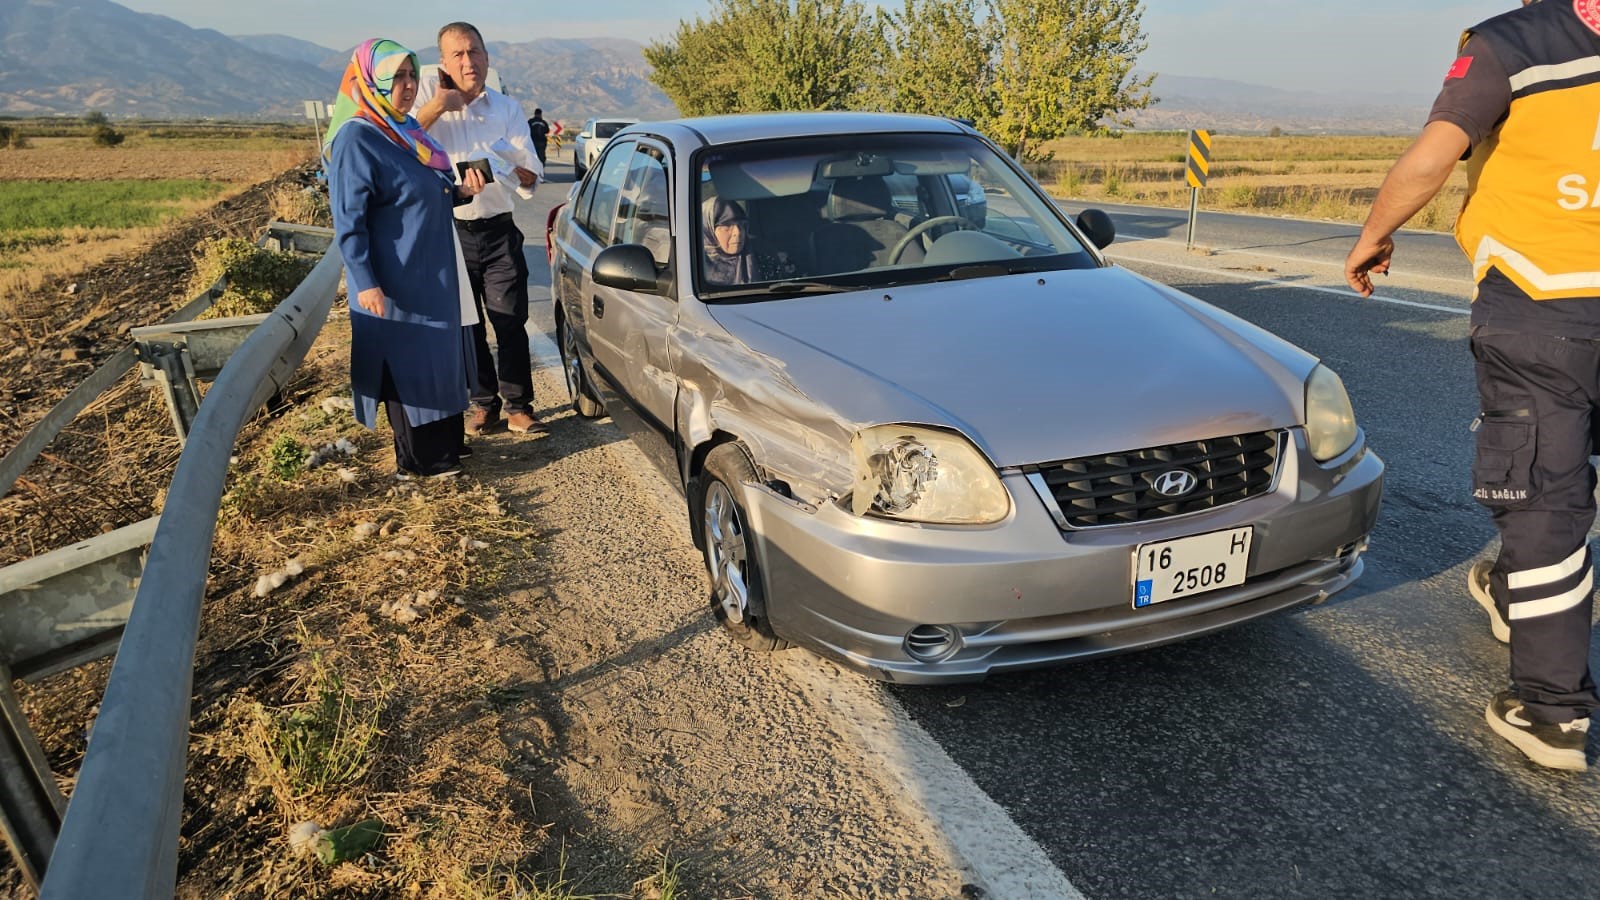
588 232
629 331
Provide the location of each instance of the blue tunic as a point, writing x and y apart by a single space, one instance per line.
394 221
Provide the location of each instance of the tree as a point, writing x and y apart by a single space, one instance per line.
1064 66
696 70
106 136
755 55
95 117
941 59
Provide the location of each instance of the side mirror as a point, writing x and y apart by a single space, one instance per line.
627 267
585 135
1098 227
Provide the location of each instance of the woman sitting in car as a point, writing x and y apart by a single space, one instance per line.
731 257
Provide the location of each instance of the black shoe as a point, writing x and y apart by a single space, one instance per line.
1478 587
464 453
1556 746
478 420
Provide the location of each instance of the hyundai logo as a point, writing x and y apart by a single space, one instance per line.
1175 483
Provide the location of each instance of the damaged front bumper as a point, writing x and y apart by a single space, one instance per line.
911 603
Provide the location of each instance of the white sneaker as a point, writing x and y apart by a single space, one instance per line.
1478 587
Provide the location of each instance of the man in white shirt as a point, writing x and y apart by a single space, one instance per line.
473 121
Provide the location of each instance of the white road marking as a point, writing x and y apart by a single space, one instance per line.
996 853
1338 292
981 839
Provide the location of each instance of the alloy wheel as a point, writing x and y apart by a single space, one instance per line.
726 552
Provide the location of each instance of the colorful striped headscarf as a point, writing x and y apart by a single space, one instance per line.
364 94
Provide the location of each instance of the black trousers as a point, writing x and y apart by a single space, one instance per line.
420 449
1536 432
492 249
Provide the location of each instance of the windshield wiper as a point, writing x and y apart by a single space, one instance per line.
808 287
981 270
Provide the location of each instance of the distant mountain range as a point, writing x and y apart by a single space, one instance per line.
67 57
1238 108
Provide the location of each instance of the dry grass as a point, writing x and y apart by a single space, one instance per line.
387 702
307 206
1323 177
77 159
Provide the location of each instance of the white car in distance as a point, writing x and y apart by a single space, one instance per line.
592 139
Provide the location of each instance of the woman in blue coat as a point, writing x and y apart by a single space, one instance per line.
392 197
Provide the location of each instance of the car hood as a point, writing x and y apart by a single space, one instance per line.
1031 368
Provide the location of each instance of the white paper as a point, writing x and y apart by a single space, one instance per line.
517 156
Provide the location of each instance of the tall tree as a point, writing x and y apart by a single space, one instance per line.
1065 66
941 59
754 55
700 69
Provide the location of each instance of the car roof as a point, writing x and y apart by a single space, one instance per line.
731 129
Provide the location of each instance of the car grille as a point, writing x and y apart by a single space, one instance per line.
1117 488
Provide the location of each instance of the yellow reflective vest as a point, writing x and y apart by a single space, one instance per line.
1533 188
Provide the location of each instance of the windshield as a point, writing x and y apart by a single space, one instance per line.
609 129
849 212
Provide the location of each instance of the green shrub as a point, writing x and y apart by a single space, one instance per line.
325 742
286 458
106 136
258 278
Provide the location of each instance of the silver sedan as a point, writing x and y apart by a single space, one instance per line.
932 445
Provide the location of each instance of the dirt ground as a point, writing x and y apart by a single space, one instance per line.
530 699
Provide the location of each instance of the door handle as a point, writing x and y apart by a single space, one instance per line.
598 306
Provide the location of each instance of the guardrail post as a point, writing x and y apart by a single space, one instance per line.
177 356
30 803
169 367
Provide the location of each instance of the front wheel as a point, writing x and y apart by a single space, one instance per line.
583 400
737 597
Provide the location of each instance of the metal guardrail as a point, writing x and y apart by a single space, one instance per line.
119 835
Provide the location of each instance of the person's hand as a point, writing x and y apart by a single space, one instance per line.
471 183
526 177
1366 257
373 301
448 99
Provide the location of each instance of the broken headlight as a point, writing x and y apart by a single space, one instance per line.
918 474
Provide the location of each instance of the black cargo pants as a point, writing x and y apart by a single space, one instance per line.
1534 437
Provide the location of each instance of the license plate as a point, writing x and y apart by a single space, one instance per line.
1183 567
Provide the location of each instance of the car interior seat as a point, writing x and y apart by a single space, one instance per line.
649 221
862 227
783 227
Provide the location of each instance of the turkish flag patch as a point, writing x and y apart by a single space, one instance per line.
1589 12
1463 63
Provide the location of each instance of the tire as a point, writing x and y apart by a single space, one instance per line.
738 598
584 402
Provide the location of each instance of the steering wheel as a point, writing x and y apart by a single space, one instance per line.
917 230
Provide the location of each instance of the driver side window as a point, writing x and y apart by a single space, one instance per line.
598 217
642 215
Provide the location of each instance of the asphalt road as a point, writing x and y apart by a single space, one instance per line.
1337 752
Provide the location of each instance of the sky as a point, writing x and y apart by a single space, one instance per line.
1329 46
